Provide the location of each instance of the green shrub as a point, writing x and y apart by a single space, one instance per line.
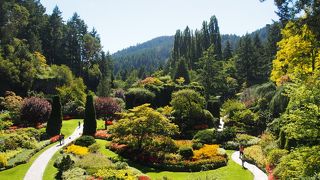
226 135
197 145
85 141
207 136
55 121
186 152
138 96
21 158
94 161
301 162
4 124
74 174
255 154
3 160
121 165
93 148
63 165
247 140
12 103
90 122
275 155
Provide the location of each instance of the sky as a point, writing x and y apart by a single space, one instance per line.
124 23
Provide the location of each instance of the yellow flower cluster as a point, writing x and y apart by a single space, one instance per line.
77 150
206 152
123 174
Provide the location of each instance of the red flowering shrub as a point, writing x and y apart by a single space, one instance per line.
102 134
35 110
144 178
117 147
54 139
106 107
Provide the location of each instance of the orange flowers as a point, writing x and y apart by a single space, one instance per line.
206 152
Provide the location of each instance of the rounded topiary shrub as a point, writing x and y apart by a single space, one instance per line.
85 141
207 136
186 152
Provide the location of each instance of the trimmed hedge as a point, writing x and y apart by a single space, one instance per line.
85 141
193 166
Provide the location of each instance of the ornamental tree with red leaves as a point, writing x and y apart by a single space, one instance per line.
106 107
35 110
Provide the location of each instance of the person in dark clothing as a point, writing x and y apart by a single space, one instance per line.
241 149
79 124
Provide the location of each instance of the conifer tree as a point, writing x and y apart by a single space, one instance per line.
89 123
227 52
55 121
182 71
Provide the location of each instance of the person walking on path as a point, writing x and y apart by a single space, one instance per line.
79 125
241 149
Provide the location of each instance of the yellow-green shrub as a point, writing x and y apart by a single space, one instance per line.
77 150
3 160
123 174
255 154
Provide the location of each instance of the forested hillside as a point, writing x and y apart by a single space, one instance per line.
148 56
153 54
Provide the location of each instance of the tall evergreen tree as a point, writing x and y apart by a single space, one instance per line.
89 122
246 62
205 36
55 121
227 51
53 38
215 37
182 71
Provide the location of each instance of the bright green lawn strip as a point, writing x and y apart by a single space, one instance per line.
230 172
19 171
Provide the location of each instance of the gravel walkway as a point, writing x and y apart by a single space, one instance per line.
257 173
38 167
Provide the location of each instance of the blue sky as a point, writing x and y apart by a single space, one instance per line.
122 23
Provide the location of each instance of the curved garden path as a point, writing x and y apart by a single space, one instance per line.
38 167
257 173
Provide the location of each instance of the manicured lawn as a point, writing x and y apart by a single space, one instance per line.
103 149
230 172
18 172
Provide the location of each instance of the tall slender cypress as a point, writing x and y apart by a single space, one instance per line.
89 123
55 121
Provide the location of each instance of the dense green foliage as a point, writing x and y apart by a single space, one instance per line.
55 121
85 141
89 122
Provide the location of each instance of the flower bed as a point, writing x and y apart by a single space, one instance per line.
77 150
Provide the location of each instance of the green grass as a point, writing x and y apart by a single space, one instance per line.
230 172
19 171
103 149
